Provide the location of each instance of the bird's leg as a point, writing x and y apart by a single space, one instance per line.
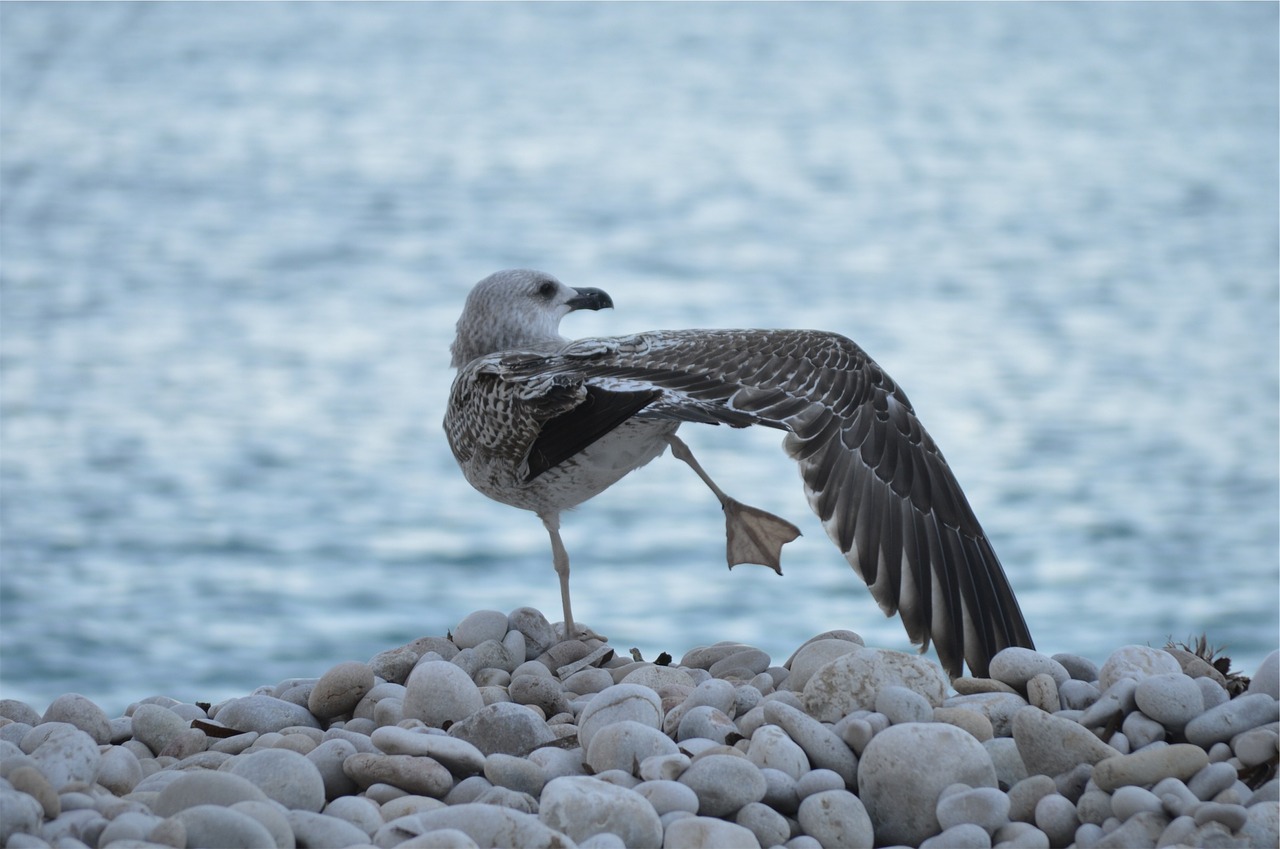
560 559
752 535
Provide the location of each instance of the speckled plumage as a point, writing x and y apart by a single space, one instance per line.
545 424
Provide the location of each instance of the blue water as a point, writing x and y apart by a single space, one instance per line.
236 238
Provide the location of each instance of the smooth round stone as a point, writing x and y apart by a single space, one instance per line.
973 721
1020 835
998 708
271 817
328 759
1172 699
545 692
704 657
216 827
903 705
1050 745
657 677
724 783
1129 800
821 745
695 832
771 748
615 704
205 787
664 767
587 681
751 659
770 827
1115 701
29 780
1024 795
340 689
579 807
1212 693
666 796
1236 716
438 693
1079 668
1016 666
284 775
1056 817
538 633
625 745
852 681
316 829
708 722
904 770
486 825
812 656
77 710
780 791
1141 730
1136 662
1262 825
67 755
504 727
1212 780
518 774
19 712
714 692
1253 747
263 714
835 818
393 665
155 726
1042 692
818 781
479 626
1180 760
1267 679
985 807
963 836
1078 695
130 825
458 756
418 775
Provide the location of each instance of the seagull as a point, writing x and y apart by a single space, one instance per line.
543 423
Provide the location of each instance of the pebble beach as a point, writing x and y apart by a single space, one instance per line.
504 733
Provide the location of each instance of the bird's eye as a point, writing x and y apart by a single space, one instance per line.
546 289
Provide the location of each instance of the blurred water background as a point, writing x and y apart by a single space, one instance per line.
236 238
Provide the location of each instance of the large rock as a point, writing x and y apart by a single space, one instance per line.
1051 745
439 693
904 770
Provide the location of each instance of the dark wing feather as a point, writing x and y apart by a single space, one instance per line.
872 474
600 411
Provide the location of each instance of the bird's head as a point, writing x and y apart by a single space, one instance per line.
518 309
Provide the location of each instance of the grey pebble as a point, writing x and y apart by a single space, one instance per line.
900 705
519 774
204 787
340 689
625 745
439 693
824 749
852 681
284 776
77 710
216 827
1266 680
666 796
1136 662
904 770
458 756
963 836
66 755
770 827
1227 720
580 807
1051 745
700 832
998 708
259 713
771 747
1056 816
418 775
812 656
835 818
1130 800
504 727
619 702
479 626
1016 666
155 726
985 807
1171 699
724 783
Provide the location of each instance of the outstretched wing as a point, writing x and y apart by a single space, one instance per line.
875 478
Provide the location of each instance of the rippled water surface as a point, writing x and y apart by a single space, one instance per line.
236 238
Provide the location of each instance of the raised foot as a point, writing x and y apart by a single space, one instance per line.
755 536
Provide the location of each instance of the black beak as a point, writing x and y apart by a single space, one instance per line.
590 299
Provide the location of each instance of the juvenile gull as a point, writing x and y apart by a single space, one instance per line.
542 423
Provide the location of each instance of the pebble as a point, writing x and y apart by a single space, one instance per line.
1180 760
580 806
1050 745
723 783
904 770
505 735
340 689
852 682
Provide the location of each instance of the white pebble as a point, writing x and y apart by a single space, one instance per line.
836 818
580 806
438 692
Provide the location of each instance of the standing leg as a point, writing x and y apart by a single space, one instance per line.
560 559
751 534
